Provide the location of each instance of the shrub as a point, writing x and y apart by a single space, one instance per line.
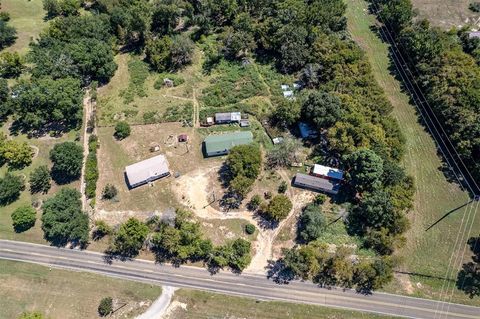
255 202
283 187
105 307
312 223
122 130
10 188
474 6
31 315
250 229
91 175
101 230
16 154
92 143
11 64
129 238
23 218
278 208
320 199
67 161
40 180
109 192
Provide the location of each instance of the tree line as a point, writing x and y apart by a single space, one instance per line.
446 66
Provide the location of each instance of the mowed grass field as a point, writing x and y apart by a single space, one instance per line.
27 16
447 13
427 253
61 294
197 304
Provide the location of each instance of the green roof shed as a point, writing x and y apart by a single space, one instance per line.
220 144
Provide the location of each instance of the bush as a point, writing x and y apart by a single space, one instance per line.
67 161
122 130
105 307
101 230
92 143
11 65
129 238
320 199
250 229
312 223
283 187
278 208
255 202
91 175
40 180
23 218
10 188
109 192
474 6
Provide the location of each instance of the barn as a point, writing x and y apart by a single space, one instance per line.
316 183
147 171
216 145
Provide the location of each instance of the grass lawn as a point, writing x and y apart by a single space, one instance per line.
208 305
426 253
27 18
42 147
447 13
61 294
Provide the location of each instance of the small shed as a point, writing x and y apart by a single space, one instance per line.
327 172
244 123
183 138
168 82
221 144
277 140
474 34
285 87
316 183
288 94
147 171
210 120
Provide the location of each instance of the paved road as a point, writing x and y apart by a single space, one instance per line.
248 285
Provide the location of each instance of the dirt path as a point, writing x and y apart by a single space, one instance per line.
158 309
87 110
193 190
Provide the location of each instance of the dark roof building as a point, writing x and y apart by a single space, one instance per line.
316 183
228 117
147 171
220 144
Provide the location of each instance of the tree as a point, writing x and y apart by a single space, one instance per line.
23 218
109 191
56 8
122 130
278 208
45 101
165 18
243 166
8 34
101 230
181 52
5 105
158 53
250 229
40 180
323 109
237 44
67 161
11 64
63 220
255 202
287 112
129 239
17 155
312 223
474 6
396 14
365 169
10 188
468 278
105 307
283 154
283 187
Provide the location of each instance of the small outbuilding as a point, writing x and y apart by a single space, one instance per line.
147 171
216 145
474 34
244 123
277 140
316 183
225 118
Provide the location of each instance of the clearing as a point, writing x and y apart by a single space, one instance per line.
198 304
427 253
447 14
66 294
27 18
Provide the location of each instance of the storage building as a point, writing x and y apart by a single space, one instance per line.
223 118
316 183
327 172
147 171
220 144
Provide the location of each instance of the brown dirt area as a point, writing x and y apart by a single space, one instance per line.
447 13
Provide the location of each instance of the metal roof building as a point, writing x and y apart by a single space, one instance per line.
147 171
228 117
316 183
327 172
220 144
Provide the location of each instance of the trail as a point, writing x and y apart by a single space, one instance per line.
87 110
159 306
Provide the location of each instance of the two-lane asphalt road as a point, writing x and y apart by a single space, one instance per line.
247 285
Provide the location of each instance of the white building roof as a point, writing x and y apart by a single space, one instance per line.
287 93
334 173
147 170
